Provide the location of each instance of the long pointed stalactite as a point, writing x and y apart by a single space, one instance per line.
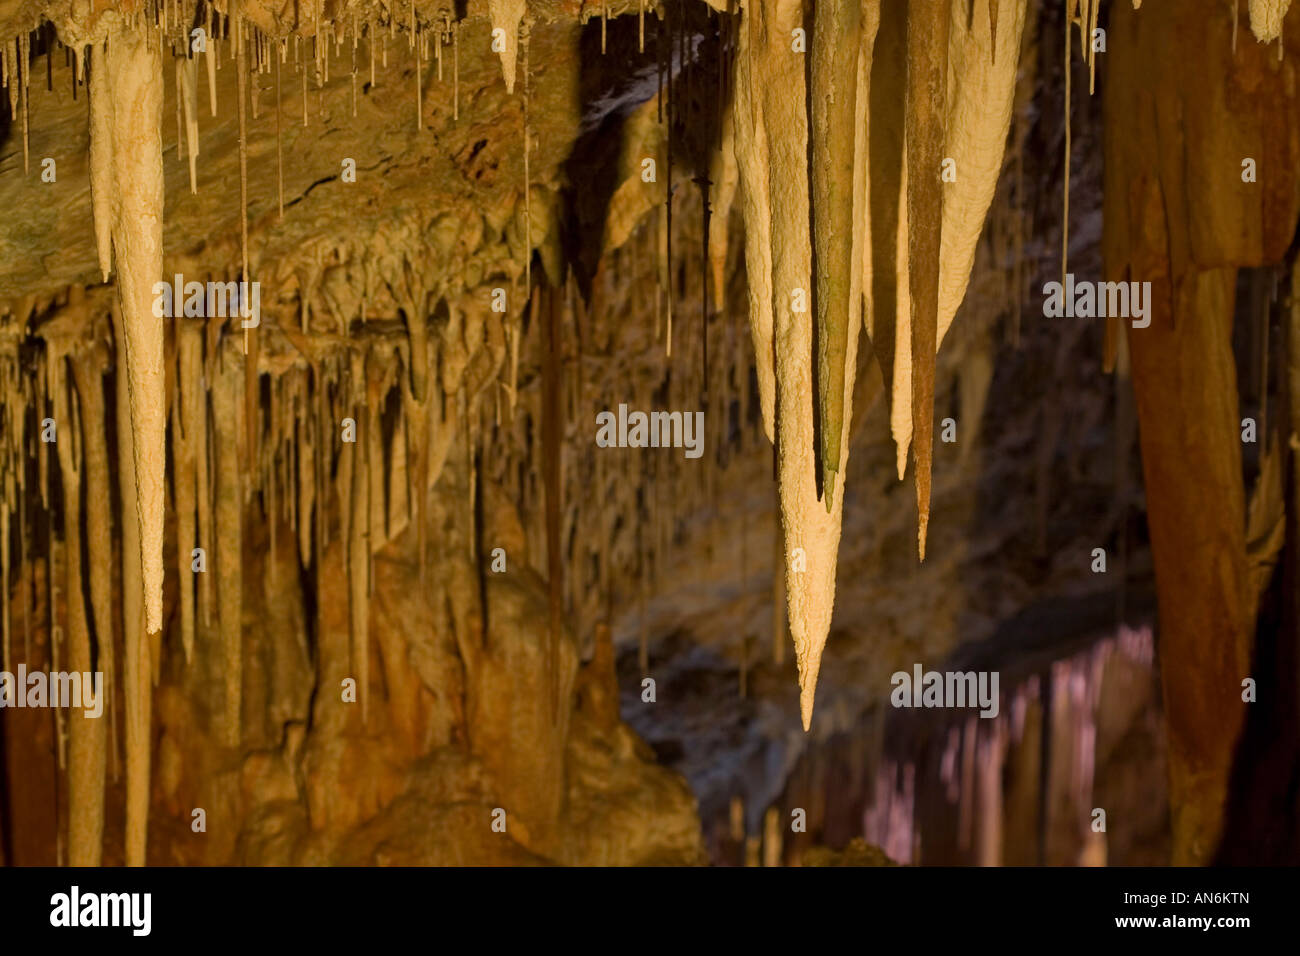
836 220
927 80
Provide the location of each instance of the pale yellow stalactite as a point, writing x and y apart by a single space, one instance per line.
980 101
981 94
771 119
189 96
210 61
506 15
1266 18
101 161
134 104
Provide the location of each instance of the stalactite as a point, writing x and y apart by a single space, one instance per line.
753 165
419 82
6 506
227 416
980 100
86 737
506 15
241 87
811 532
88 365
724 175
24 68
1266 18
185 435
357 539
528 181
210 61
306 477
101 161
927 74
552 436
376 389
279 152
189 98
134 104
135 678
204 456
833 138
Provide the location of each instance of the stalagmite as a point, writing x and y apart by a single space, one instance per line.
506 15
927 75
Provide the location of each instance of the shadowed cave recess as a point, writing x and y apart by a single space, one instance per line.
328 333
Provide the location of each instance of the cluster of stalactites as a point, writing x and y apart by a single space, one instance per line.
321 461
882 167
